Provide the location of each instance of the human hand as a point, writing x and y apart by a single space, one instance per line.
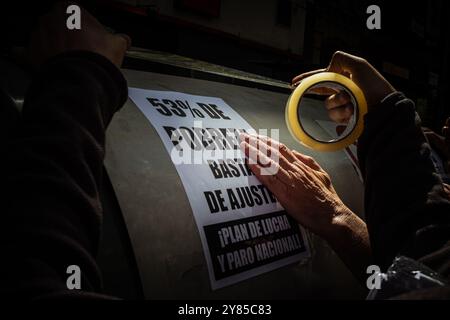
340 107
305 191
52 37
301 186
374 86
337 103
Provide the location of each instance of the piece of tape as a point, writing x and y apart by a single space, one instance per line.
297 130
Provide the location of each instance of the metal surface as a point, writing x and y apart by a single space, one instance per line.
159 219
180 62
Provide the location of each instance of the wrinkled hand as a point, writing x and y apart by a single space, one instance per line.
305 191
52 37
301 186
374 86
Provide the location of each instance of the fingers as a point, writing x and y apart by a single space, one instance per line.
374 86
322 91
307 160
271 156
341 62
342 114
126 38
446 189
266 153
296 80
340 108
337 100
263 166
274 175
345 63
279 188
122 43
299 175
269 146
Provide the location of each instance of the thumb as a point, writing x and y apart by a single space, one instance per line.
119 43
125 38
345 63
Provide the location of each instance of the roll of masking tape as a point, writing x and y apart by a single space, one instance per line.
296 129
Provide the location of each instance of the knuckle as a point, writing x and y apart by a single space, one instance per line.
348 59
297 164
360 62
338 54
325 178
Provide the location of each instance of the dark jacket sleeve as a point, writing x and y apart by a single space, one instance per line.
51 207
407 210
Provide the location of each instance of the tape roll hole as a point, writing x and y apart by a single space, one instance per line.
328 112
325 112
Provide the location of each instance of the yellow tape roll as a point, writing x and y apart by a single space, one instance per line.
297 130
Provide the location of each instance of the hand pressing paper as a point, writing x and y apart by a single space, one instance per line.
243 229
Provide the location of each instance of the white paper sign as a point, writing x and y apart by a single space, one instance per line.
243 229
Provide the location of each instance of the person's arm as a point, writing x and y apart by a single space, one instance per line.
399 178
305 191
407 210
406 207
52 212
51 207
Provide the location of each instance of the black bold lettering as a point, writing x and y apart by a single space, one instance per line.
215 169
212 202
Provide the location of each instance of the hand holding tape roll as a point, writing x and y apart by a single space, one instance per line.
324 97
340 96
